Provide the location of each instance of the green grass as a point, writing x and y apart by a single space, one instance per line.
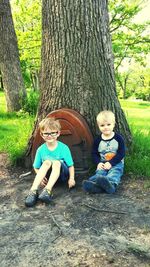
137 114
138 117
15 130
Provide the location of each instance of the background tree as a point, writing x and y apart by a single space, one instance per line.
77 63
130 39
27 21
137 82
9 59
122 84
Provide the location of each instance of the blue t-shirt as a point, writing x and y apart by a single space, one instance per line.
61 152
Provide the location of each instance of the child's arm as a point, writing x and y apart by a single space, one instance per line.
71 181
120 153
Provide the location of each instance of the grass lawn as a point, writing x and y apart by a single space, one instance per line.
15 130
137 114
138 117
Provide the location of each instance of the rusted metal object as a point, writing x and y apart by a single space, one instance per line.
75 133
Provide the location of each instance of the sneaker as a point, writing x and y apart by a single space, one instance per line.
91 187
46 196
104 183
31 199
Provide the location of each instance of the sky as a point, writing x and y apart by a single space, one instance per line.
145 13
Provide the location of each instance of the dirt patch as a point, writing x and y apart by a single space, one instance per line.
78 230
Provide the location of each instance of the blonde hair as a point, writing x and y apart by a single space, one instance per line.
105 115
50 123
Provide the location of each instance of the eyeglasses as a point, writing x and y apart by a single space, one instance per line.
53 134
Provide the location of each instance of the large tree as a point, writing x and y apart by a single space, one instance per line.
9 59
77 63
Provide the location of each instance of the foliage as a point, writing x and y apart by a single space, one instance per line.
122 85
30 104
140 154
129 38
26 74
27 20
143 87
135 82
138 114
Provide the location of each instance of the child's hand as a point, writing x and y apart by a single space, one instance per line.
107 166
71 182
44 182
100 166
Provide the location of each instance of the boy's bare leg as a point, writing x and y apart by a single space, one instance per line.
41 174
56 166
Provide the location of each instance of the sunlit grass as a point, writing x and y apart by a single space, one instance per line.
137 114
138 117
15 130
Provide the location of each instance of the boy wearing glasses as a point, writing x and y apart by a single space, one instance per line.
53 158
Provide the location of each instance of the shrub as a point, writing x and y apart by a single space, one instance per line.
31 102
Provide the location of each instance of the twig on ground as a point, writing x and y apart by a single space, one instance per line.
103 210
55 238
55 222
25 174
21 177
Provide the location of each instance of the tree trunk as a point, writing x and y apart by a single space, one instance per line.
9 59
77 63
35 79
1 82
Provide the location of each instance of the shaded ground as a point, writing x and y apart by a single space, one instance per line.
78 230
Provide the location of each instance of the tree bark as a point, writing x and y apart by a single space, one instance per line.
77 63
9 59
1 82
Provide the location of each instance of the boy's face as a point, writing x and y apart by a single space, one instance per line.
50 135
106 126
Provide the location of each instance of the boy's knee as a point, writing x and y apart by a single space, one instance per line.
56 164
47 164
